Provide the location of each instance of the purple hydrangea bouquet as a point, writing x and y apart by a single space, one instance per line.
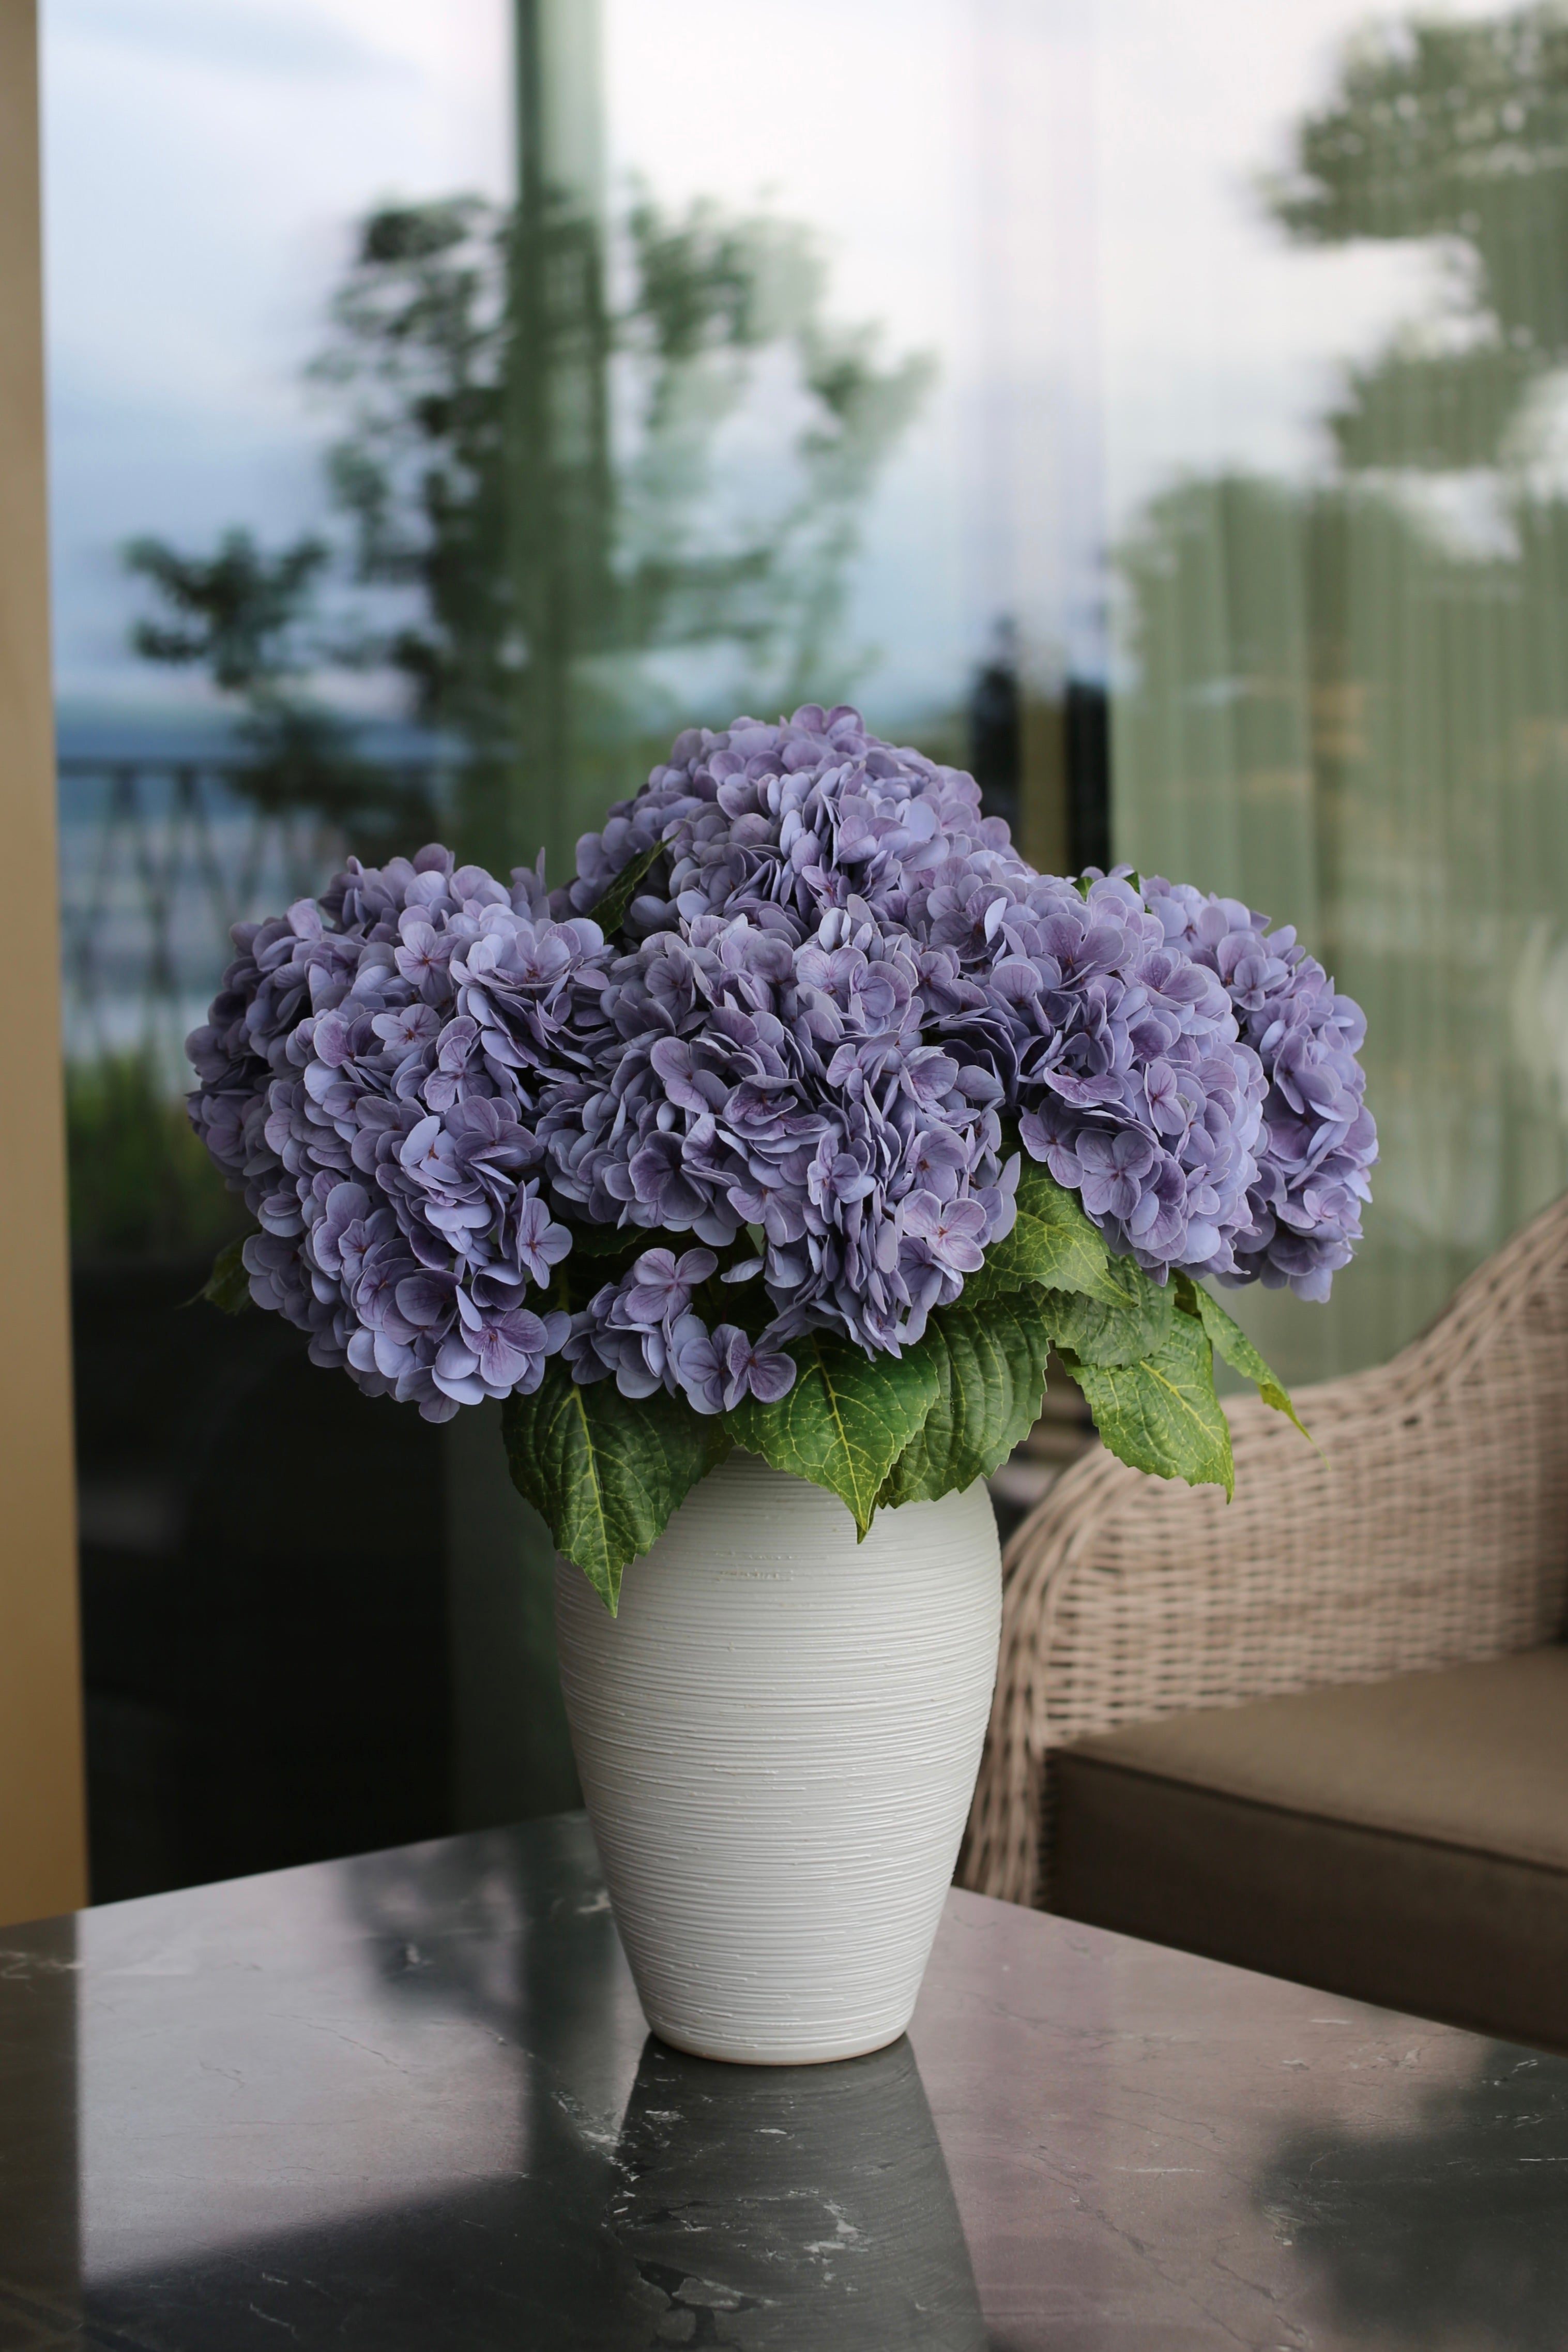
807 1118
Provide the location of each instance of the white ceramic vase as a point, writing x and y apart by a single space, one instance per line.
778 1740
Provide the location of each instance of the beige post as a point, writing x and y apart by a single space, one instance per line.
43 1841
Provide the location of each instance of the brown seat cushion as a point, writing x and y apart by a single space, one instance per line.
1405 1842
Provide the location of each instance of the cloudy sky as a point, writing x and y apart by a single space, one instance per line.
1056 198
204 158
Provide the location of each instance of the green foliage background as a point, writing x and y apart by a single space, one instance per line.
141 1184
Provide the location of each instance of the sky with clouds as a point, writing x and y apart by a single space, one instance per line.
1056 198
203 159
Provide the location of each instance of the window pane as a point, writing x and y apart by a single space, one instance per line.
1333 270
451 404
263 1579
1158 413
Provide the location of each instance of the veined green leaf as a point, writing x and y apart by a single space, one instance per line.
1231 1342
1128 1317
605 1471
990 1369
228 1285
610 911
1162 1415
1052 1242
846 1420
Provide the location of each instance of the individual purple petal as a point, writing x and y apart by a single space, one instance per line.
537 1243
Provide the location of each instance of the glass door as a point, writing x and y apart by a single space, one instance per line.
1159 412
449 405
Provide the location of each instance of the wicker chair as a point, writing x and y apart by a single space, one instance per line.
1430 1531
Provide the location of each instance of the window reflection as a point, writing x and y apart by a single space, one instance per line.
1162 415
263 1579
594 375
429 2080
1343 689
637 443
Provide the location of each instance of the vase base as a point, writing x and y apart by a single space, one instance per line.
740 2054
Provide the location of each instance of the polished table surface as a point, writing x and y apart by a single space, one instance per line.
409 2102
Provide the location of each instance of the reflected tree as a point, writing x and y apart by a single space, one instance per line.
238 614
543 472
566 457
1457 131
251 621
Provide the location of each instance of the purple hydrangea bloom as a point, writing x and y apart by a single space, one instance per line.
1135 1070
752 1368
369 1079
1317 1140
642 1331
834 982
757 1074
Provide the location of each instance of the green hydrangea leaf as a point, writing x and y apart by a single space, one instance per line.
845 1422
228 1285
991 1368
1052 1242
610 911
1162 1415
1231 1341
1128 1317
605 1472
608 1241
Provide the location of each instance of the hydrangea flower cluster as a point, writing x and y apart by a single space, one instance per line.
1319 1138
643 1332
756 1074
792 1061
383 1138
1136 1033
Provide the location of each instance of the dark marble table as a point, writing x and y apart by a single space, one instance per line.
408 2102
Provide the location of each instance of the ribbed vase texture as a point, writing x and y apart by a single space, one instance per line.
778 1738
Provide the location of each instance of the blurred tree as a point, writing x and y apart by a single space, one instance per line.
239 613
420 356
252 621
1351 700
543 554
1456 130
540 497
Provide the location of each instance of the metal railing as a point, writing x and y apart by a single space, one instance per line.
159 858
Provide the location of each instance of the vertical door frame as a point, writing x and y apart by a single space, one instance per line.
43 1832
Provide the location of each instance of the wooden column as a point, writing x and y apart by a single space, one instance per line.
43 1838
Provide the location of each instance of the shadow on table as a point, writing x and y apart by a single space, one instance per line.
426 2111
747 2210
752 2206
791 2207
1452 2232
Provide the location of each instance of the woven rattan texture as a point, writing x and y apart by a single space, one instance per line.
1431 1528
